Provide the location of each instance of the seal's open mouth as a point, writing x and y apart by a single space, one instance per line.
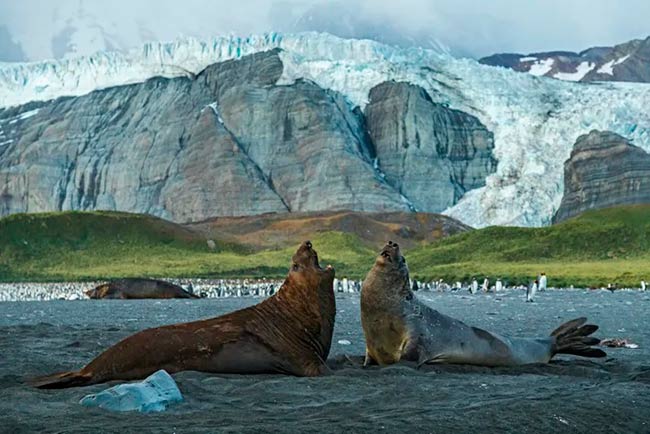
316 264
390 252
306 256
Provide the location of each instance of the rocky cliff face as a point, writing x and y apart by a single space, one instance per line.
231 141
604 170
430 153
625 62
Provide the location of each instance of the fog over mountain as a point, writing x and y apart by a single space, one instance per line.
41 29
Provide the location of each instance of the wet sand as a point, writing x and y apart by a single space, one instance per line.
569 395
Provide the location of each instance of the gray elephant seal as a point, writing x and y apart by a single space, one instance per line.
136 288
398 326
288 333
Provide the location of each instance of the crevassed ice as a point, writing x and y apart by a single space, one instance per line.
535 120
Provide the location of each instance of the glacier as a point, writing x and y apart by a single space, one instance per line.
535 120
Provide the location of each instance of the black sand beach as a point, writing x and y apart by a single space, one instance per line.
569 395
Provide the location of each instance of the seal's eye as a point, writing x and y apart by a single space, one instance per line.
308 244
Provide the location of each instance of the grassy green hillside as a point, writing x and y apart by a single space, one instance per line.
97 245
599 247
595 248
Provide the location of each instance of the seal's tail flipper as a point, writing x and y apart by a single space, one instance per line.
62 380
573 337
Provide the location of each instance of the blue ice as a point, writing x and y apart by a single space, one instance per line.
153 394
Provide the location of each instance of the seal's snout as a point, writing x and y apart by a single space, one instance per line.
306 245
306 255
391 245
390 252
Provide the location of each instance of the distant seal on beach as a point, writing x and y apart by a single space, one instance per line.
288 333
398 326
134 288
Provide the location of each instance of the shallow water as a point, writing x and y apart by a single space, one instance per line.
568 395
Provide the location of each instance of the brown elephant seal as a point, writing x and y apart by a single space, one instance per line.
137 288
398 326
288 333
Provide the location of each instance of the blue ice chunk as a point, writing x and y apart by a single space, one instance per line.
153 394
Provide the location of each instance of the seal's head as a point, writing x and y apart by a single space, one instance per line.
391 258
306 259
98 292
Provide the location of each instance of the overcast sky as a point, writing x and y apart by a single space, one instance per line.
48 28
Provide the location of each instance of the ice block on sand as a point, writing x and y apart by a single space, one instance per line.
153 394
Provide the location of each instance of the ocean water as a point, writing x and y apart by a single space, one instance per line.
568 395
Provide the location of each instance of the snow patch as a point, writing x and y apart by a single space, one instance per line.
528 59
608 68
215 109
581 70
28 114
541 67
21 117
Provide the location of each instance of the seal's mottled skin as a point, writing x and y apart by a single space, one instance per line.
135 288
288 333
397 326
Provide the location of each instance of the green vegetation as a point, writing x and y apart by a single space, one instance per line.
597 248
593 249
100 245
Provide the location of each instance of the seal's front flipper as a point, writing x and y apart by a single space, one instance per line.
430 360
62 380
368 361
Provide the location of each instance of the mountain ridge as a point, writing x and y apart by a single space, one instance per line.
534 122
232 142
626 62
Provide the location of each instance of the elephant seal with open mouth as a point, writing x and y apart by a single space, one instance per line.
288 333
398 326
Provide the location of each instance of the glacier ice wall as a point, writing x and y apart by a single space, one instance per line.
535 120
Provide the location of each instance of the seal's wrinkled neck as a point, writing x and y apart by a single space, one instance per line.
307 295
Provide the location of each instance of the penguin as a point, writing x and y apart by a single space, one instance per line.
530 293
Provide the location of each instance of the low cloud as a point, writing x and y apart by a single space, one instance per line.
470 27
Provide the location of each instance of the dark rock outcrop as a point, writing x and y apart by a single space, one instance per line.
430 153
604 170
229 141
